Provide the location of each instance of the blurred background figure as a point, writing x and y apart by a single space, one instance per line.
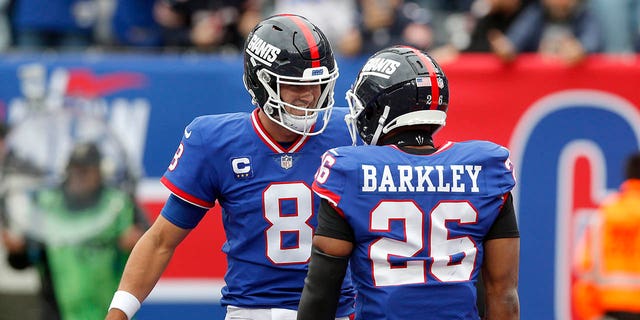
54 24
6 39
385 23
11 166
80 235
564 30
209 25
452 20
133 25
488 17
335 17
608 259
4 131
493 15
619 21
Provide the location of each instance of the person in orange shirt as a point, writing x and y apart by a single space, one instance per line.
608 260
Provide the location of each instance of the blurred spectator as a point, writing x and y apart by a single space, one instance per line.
453 19
618 19
60 24
5 27
82 232
637 28
608 259
335 17
133 24
210 25
11 165
496 15
489 16
386 23
558 29
4 131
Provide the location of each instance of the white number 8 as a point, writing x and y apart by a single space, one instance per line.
291 223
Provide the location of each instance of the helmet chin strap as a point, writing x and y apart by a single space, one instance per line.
381 121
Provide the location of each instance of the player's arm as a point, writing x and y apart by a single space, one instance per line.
501 265
151 254
148 260
332 246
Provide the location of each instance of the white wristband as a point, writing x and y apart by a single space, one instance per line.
126 302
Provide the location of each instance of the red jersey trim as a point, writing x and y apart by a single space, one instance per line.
446 146
269 141
185 196
326 194
338 210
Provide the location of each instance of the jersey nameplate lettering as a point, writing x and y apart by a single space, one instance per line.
420 178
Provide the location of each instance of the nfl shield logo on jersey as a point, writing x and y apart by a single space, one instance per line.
286 161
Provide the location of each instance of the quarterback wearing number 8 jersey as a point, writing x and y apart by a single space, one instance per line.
267 203
258 167
417 223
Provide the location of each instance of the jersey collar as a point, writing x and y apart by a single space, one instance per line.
270 142
441 149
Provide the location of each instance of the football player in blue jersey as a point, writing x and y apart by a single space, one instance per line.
417 223
259 168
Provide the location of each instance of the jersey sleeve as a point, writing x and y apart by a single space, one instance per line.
330 178
191 172
501 170
332 224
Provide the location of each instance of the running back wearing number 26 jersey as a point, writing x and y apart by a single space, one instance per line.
268 207
419 222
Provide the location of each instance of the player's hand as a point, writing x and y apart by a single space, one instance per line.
116 314
13 243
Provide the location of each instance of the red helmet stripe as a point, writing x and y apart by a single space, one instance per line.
313 46
435 90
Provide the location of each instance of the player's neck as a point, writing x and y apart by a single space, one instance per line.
274 130
419 149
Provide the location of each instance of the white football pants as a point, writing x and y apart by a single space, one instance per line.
237 313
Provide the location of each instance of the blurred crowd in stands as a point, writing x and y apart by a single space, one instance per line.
564 29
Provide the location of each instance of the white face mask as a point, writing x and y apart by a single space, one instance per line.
276 109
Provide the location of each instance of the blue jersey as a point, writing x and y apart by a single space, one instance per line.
418 222
267 203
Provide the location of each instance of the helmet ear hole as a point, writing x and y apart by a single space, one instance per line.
264 76
369 114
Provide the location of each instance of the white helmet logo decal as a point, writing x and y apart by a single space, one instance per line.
380 67
262 50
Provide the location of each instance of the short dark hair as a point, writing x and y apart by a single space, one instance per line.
632 170
85 154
